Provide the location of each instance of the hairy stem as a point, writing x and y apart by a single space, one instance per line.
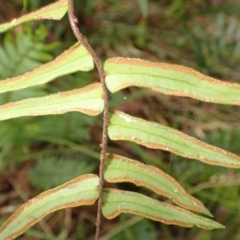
79 36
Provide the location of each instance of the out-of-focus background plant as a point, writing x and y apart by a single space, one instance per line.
204 35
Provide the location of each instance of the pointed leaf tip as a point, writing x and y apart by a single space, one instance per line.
116 202
122 169
156 136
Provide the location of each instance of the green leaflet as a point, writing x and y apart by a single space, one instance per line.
143 5
157 136
121 169
82 190
74 59
116 202
87 100
54 11
169 79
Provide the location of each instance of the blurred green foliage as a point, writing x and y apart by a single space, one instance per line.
50 172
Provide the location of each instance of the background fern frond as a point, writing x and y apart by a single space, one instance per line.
24 51
61 170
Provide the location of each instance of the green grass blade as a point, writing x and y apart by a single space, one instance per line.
116 202
54 11
121 169
169 79
82 190
157 136
87 100
74 59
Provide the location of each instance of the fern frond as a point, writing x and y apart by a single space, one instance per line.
61 170
22 52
